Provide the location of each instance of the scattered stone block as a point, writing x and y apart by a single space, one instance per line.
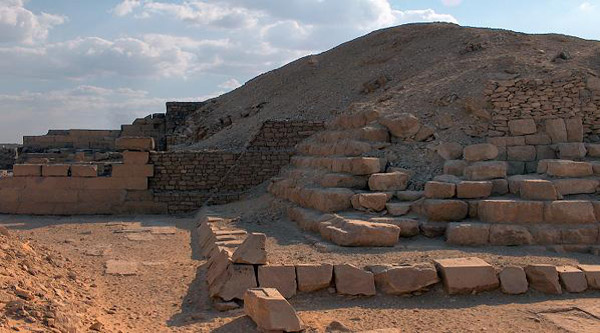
511 211
480 152
474 189
450 150
282 278
570 212
455 167
522 127
403 125
55 170
510 235
271 311
445 210
467 275
27 170
83 170
556 130
401 280
233 282
592 275
537 189
314 277
350 280
393 181
372 201
252 251
136 157
574 129
543 278
486 170
572 279
513 280
135 143
439 190
563 168
433 229
569 151
521 153
468 234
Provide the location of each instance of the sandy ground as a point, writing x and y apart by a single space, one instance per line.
168 293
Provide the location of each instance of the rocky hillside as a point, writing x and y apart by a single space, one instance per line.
435 71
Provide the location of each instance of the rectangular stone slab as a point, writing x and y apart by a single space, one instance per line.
467 275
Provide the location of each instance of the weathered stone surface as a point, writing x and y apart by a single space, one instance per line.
537 189
132 170
350 280
408 227
580 235
346 232
83 170
468 234
252 250
499 186
507 141
282 278
403 125
486 170
513 280
135 143
572 279
433 229
121 267
409 195
330 199
563 168
522 127
455 167
521 153
27 170
593 149
372 201
574 129
398 208
343 180
538 139
556 130
569 212
568 151
447 179
450 150
136 157
511 211
510 235
439 190
271 311
474 189
400 280
480 152
393 181
545 235
233 283
515 168
592 275
467 275
445 210
545 152
314 277
543 278
514 182
570 186
55 170
424 133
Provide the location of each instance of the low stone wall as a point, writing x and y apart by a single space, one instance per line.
152 126
284 134
76 139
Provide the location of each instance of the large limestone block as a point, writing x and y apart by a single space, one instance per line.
330 199
55 170
514 182
467 275
433 229
393 181
356 120
556 130
439 190
314 277
398 208
574 129
538 139
233 282
480 152
350 280
474 189
546 235
445 210
408 227
450 150
564 168
522 127
84 170
136 157
358 233
401 280
468 234
271 311
455 167
499 186
280 277
135 143
486 170
593 149
372 201
510 235
131 170
570 186
592 275
252 251
27 170
543 278
521 153
537 189
358 166
572 279
403 125
409 195
580 235
510 211
569 212
343 180
513 280
569 151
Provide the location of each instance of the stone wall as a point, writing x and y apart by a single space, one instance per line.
74 139
177 113
283 134
153 126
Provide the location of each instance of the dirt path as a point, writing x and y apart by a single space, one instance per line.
167 292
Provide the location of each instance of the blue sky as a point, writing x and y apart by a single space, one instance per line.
98 64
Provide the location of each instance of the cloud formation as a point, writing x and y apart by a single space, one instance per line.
19 25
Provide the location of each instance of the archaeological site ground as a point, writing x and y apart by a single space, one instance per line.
422 178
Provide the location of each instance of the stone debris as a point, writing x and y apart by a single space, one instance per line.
270 310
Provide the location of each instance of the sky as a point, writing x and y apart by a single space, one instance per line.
98 64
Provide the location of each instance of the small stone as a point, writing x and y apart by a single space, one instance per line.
513 280
271 311
572 279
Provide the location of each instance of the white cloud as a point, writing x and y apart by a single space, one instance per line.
587 6
126 7
19 25
451 3
230 84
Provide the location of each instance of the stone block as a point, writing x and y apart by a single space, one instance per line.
343 180
511 211
393 181
468 234
592 275
439 190
522 127
314 277
132 170
350 280
570 186
571 151
372 201
409 195
136 157
556 130
400 280
515 168
486 170
356 233
233 282
271 311
467 275
445 210
403 125
543 152
510 235
455 167
521 153
252 251
27 170
282 278
499 186
563 168
580 235
537 189
543 278
572 279
574 130
569 212
538 139
433 229
450 150
474 189
507 141
398 208
545 235
513 280
480 152
55 170
135 143
84 170
593 149
408 227
329 199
